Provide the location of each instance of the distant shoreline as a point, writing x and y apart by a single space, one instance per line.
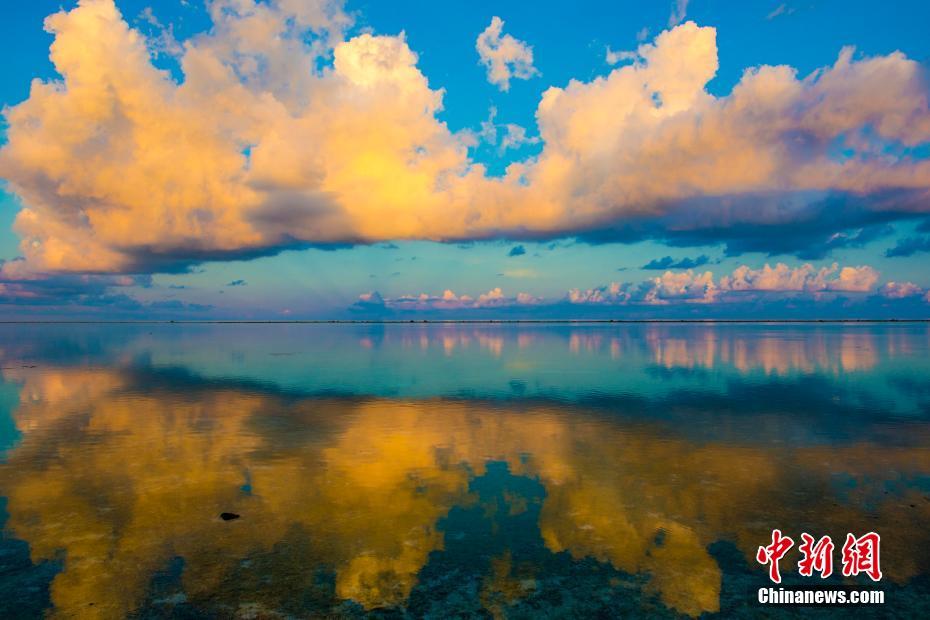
446 321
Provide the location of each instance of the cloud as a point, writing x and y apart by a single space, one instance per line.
613 57
504 56
515 137
448 300
909 246
70 293
777 291
900 290
679 12
667 262
782 278
699 287
265 145
370 303
781 9
686 286
161 39
609 294
517 250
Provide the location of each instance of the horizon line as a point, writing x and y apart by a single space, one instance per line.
434 321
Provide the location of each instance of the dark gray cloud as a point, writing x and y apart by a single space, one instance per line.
667 262
772 224
909 246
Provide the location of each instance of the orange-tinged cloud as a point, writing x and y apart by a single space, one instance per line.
111 474
122 169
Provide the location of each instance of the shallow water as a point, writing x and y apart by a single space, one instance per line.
442 470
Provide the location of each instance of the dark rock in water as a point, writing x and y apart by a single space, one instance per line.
228 516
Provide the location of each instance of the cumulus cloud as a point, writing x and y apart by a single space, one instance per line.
262 147
685 286
900 290
504 56
610 294
782 278
802 289
692 286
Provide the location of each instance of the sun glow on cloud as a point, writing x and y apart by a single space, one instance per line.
123 170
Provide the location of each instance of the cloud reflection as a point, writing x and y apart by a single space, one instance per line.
129 470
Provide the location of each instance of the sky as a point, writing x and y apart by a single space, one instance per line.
317 159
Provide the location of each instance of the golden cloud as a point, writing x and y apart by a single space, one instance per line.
121 168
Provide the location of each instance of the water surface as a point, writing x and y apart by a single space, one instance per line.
442 470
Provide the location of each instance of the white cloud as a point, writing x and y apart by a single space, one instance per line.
504 56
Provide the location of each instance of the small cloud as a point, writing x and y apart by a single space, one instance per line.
515 137
488 131
389 246
667 262
369 302
613 57
900 290
781 9
679 12
237 283
517 250
504 56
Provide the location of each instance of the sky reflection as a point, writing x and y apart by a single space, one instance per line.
635 452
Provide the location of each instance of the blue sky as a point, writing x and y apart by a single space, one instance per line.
300 278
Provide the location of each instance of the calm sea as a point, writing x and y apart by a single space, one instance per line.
518 471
